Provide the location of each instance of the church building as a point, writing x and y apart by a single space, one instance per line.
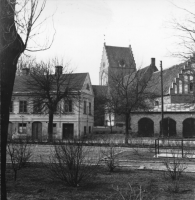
178 94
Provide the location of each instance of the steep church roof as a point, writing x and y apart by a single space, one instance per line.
120 56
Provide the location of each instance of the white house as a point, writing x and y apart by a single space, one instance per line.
76 120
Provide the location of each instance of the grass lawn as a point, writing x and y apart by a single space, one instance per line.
34 183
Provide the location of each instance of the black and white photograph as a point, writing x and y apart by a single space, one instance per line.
97 99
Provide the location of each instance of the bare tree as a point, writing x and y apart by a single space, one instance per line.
23 63
185 33
20 153
52 92
175 168
70 163
18 19
130 93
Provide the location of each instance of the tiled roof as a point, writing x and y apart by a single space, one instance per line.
117 55
169 76
21 82
175 107
143 74
99 89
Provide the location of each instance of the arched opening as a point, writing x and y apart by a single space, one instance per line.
169 127
189 127
145 127
37 131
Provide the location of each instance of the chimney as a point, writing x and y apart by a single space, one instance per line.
153 62
58 70
25 71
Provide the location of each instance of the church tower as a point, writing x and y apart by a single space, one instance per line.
115 60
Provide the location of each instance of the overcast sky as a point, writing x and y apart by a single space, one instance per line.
82 26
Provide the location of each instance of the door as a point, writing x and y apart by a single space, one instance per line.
37 131
189 127
68 130
169 127
145 127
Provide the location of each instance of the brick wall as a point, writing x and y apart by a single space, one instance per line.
179 117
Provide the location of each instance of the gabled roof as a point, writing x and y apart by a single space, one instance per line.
169 76
118 55
21 85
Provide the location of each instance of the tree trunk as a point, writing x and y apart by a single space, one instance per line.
11 46
126 128
15 174
50 127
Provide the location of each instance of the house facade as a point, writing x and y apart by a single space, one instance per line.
74 121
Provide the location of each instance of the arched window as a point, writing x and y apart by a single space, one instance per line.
191 84
175 89
180 86
186 84
104 79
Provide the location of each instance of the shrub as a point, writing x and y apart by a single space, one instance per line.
131 192
20 153
70 162
110 156
175 168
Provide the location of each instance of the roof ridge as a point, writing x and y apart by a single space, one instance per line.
116 46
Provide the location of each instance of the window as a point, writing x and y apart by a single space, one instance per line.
104 79
37 107
89 129
68 106
54 128
191 84
186 88
22 128
122 63
85 130
104 64
87 87
11 107
175 89
89 108
191 87
156 103
180 86
85 107
23 107
186 84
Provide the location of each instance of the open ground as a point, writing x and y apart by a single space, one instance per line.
137 168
